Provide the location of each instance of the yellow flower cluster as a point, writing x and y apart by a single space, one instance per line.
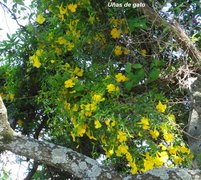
97 98
121 78
112 88
118 50
64 10
69 83
40 19
97 124
72 7
122 137
35 58
88 109
62 41
144 52
115 33
144 122
161 107
110 123
78 72
154 134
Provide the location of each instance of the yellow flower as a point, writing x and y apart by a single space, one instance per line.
90 107
158 161
171 117
81 130
39 52
163 156
20 122
115 33
40 19
118 51
121 78
90 135
69 46
75 108
112 88
161 107
122 149
72 7
109 152
52 61
97 98
79 72
184 149
163 147
126 51
11 96
73 136
172 150
66 66
121 136
134 168
148 165
103 140
144 52
145 123
177 160
110 123
97 124
61 40
69 83
91 19
67 105
35 61
62 10
129 157
169 137
154 134
88 114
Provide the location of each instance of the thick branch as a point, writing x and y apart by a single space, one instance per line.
175 28
75 163
60 157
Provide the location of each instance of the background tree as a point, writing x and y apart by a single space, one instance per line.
103 80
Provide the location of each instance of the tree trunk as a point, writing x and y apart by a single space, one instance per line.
194 124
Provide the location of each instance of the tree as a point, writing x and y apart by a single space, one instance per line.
107 92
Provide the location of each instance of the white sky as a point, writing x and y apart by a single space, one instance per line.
7 24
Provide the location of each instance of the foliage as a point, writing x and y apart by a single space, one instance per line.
77 76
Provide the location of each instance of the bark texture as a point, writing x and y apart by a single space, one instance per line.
194 124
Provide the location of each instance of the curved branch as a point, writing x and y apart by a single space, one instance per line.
73 162
12 15
174 27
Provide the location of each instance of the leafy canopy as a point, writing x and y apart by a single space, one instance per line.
77 73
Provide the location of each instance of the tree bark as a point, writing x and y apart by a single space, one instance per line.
194 124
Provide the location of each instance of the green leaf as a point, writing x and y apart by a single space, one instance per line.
154 74
137 23
128 68
139 75
128 85
137 66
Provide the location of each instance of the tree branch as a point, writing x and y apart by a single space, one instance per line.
73 162
175 28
